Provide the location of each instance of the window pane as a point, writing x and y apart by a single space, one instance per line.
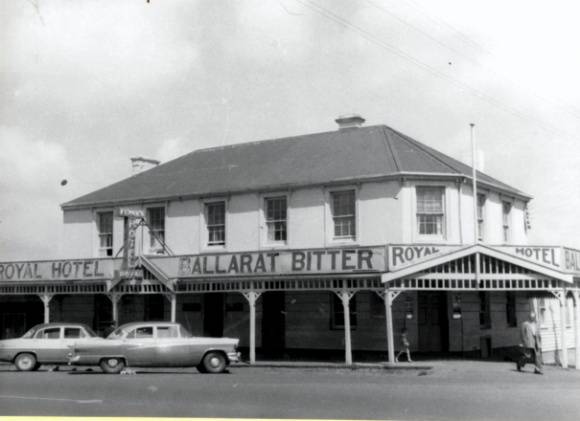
276 210
156 221
73 332
343 213
50 333
429 199
216 223
430 215
105 225
167 332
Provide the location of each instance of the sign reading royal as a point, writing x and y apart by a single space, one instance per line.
56 270
347 260
402 256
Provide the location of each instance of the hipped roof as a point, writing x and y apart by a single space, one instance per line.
354 154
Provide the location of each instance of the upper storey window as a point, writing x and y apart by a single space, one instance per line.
276 218
506 212
430 210
156 221
105 225
215 216
343 210
481 198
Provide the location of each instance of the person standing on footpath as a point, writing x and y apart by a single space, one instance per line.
405 346
531 345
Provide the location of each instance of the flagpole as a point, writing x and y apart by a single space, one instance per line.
475 222
474 179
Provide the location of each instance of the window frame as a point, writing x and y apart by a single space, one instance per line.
506 220
481 214
443 214
160 248
264 200
331 208
205 206
103 251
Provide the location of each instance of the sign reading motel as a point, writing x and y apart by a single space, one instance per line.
278 262
58 270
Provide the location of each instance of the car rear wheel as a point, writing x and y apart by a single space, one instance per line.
112 365
26 362
214 362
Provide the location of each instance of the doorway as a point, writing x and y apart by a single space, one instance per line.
433 322
273 323
213 315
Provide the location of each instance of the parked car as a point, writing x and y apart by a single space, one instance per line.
156 344
45 344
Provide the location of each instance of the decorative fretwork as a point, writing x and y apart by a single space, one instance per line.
493 275
319 284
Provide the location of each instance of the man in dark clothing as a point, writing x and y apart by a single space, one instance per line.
531 344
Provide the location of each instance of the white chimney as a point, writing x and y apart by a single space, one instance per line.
140 164
349 121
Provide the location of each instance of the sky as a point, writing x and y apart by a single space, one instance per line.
87 84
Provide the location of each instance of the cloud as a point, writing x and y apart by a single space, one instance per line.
30 187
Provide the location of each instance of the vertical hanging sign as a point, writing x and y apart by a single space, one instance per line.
133 218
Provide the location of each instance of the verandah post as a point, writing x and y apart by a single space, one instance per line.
345 298
389 322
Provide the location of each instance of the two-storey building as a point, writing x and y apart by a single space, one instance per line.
309 244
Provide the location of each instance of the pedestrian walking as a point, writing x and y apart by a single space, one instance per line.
531 346
405 344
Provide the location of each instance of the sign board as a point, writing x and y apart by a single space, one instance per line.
132 213
571 260
405 255
58 270
541 255
275 262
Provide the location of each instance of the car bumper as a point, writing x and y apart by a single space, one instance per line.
234 357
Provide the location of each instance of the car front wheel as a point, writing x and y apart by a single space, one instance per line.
214 362
112 365
26 362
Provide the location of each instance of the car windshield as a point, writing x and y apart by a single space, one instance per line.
118 333
30 333
90 331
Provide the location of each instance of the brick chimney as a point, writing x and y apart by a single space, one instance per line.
140 164
349 121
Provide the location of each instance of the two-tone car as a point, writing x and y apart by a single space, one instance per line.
45 344
156 344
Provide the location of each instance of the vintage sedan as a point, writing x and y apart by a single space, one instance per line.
156 344
45 344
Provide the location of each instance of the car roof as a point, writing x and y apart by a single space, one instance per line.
138 324
61 324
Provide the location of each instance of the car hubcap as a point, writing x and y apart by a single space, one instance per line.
113 362
214 361
26 363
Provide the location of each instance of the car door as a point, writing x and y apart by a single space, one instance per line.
48 345
172 349
140 346
71 336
